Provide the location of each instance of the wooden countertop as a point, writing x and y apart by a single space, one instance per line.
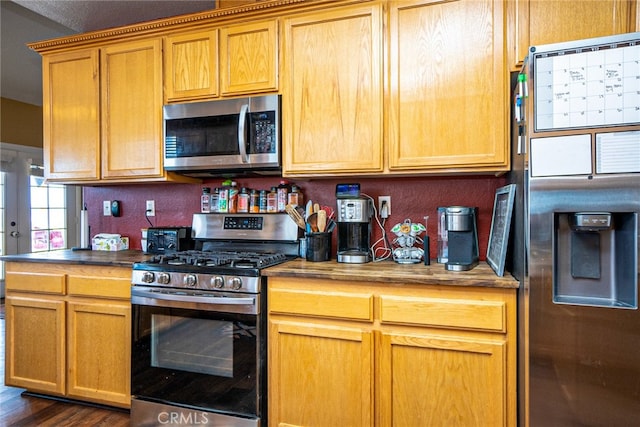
115 258
384 271
391 272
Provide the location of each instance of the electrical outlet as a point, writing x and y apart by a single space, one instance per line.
384 206
106 208
151 208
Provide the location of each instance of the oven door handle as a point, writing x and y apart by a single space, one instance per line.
137 292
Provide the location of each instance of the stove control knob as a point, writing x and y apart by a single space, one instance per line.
235 283
164 278
190 280
217 282
147 277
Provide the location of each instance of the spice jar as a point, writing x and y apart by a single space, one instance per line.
272 200
254 201
205 200
243 201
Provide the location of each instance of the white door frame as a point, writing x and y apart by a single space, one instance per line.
16 161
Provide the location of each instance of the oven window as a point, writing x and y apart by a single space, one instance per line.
193 345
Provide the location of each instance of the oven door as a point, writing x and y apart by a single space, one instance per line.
199 350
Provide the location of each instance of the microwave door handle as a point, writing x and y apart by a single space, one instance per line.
242 142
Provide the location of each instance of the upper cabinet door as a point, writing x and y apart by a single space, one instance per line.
71 101
191 64
132 110
449 89
249 57
332 92
536 22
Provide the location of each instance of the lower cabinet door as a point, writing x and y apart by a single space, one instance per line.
320 375
435 380
99 343
35 352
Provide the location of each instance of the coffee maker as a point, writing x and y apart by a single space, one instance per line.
354 229
462 236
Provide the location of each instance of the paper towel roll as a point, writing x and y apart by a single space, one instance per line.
84 229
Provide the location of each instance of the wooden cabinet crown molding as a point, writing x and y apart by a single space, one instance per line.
215 16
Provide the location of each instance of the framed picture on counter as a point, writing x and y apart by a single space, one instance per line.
500 225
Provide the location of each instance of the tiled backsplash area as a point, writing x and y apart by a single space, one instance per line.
411 198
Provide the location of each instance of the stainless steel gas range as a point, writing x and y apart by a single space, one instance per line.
199 323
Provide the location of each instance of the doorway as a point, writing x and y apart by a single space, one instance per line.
34 215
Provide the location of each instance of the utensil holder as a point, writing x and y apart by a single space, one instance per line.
318 247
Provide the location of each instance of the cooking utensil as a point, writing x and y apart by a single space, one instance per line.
321 220
309 209
316 207
312 221
301 211
295 215
330 212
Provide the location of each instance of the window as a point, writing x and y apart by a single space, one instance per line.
48 215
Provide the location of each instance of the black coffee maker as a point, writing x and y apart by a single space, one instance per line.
462 235
354 229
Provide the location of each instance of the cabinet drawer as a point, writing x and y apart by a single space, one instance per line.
323 304
93 286
448 313
50 283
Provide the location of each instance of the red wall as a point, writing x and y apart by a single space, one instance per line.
411 198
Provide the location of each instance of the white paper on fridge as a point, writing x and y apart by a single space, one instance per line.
618 152
561 155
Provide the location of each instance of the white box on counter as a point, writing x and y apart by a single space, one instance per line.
109 242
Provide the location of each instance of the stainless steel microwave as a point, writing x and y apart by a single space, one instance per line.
223 137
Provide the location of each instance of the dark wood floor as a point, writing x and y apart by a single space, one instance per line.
17 409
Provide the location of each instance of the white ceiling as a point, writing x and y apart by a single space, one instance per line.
25 21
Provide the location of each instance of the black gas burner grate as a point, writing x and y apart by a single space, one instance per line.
219 259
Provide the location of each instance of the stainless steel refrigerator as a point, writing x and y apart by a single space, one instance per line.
576 163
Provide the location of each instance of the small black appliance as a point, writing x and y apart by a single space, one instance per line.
164 240
354 229
462 234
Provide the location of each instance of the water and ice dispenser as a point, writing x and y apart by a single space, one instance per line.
595 259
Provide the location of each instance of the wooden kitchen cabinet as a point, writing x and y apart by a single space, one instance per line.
320 363
393 354
537 22
102 110
99 335
464 377
131 78
68 331
71 116
249 57
244 61
316 359
35 342
449 86
375 88
191 64
98 362
332 92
